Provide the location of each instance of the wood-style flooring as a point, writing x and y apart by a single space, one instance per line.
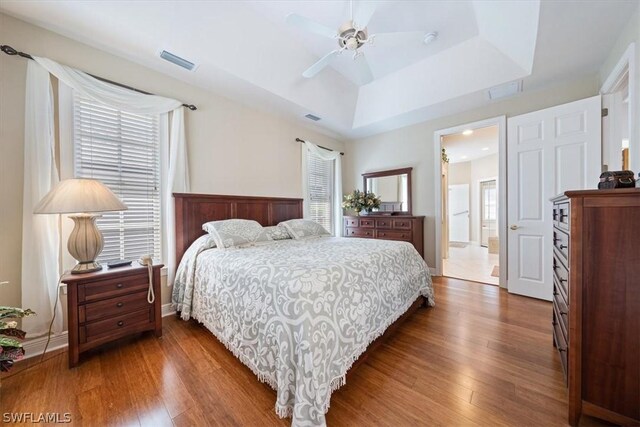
481 356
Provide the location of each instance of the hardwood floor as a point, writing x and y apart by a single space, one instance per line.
481 356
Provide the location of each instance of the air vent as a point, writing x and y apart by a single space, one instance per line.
312 117
506 90
174 59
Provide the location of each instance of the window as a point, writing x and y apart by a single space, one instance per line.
320 185
122 150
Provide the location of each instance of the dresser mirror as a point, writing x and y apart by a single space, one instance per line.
394 189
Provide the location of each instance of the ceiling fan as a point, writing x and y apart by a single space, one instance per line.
352 36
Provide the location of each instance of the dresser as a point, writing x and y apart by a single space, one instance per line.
596 301
387 227
110 304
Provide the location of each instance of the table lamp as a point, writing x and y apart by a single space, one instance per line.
82 198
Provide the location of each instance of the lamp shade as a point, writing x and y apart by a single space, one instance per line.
79 195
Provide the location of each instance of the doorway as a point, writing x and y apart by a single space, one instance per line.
470 181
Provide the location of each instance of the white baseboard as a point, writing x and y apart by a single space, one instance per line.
34 347
167 310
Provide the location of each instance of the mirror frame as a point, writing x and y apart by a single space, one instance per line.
391 172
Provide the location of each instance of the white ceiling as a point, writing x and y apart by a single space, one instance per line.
247 52
465 148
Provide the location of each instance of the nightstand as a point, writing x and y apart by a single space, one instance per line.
110 304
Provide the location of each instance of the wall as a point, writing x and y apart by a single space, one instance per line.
471 173
629 34
233 148
413 145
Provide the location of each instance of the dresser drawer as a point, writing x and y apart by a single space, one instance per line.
394 235
367 222
118 325
562 346
351 222
562 313
563 215
383 223
561 274
401 224
113 287
112 307
359 232
561 243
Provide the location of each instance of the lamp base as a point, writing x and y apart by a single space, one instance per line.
86 267
85 243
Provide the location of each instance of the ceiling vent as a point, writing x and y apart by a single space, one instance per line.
180 62
506 90
312 117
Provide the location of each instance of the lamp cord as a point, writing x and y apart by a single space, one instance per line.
53 318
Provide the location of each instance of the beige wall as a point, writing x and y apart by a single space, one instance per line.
629 34
413 145
233 149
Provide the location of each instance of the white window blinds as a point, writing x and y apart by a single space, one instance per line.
320 188
122 150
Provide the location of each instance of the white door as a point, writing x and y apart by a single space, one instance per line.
549 151
459 213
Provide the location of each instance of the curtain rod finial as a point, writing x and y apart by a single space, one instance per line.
190 107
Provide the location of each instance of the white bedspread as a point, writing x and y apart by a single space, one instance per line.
300 312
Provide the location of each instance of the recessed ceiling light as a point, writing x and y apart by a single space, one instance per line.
430 37
485 148
467 132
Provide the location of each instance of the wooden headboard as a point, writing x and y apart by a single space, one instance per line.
193 210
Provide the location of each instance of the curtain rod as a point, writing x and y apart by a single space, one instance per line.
12 52
319 146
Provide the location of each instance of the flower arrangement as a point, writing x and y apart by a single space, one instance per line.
10 346
361 201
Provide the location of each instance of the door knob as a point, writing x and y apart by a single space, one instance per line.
514 227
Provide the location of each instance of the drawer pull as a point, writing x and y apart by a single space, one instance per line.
555 267
563 280
120 304
563 246
555 293
119 286
561 349
120 323
564 313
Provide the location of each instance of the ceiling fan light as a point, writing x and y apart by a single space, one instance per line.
430 37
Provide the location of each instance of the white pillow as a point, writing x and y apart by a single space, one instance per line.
231 233
278 232
304 228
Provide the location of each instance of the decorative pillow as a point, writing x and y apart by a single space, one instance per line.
304 228
278 232
236 232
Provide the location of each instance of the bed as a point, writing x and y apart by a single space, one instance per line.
298 313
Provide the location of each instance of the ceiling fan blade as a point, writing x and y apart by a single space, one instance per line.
363 70
396 39
310 25
363 12
318 66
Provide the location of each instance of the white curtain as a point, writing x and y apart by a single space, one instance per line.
139 103
40 233
336 158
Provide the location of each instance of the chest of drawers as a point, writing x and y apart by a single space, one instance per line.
387 227
596 302
110 304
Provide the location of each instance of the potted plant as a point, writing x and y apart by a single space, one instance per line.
10 336
361 201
